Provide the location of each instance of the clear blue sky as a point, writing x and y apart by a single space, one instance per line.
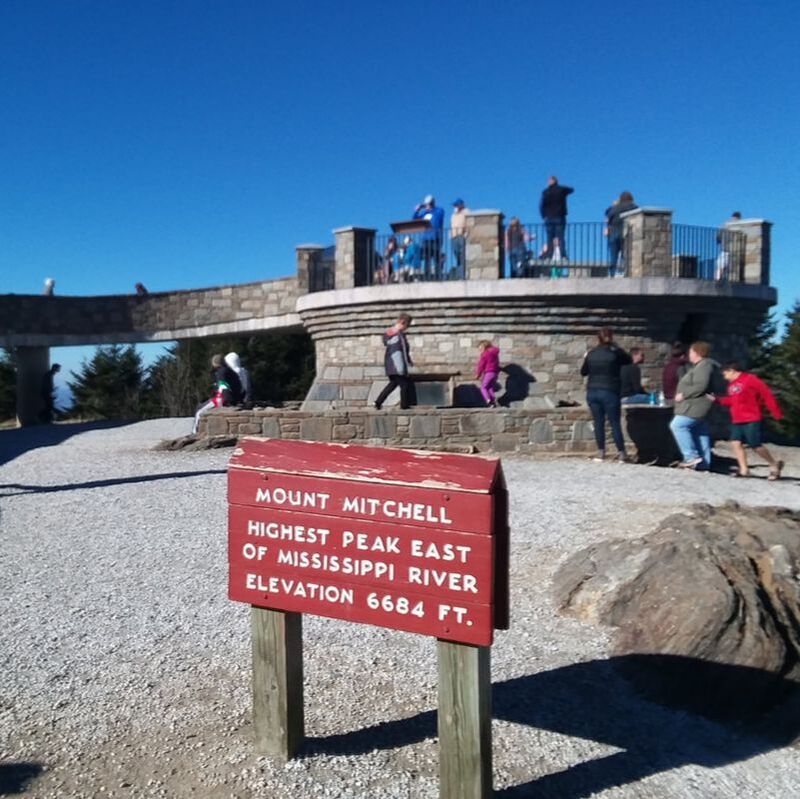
186 144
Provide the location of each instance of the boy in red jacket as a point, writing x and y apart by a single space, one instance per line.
746 395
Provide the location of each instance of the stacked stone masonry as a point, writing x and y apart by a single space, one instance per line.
560 431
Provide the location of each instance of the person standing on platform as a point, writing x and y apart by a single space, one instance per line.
553 209
487 369
602 366
725 240
431 238
615 231
746 394
516 243
397 360
458 238
692 404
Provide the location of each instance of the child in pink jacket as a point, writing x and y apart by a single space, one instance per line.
487 369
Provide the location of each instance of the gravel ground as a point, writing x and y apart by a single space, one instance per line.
124 669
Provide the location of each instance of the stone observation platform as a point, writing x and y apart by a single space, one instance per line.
543 327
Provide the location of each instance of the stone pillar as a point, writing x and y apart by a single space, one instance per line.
355 256
757 250
304 255
32 363
648 242
485 247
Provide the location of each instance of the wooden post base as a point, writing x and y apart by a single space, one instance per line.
277 642
465 721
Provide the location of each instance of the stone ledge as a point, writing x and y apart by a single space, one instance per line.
523 431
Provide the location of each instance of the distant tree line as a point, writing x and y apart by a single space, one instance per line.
114 383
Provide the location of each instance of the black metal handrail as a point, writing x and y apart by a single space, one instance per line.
576 249
708 253
414 257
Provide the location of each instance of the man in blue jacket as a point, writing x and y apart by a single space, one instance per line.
431 239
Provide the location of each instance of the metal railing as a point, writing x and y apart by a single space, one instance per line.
322 270
577 249
414 257
708 253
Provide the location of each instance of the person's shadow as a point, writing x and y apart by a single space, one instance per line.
517 385
15 441
594 701
15 777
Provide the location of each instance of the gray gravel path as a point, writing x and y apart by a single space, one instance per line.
124 670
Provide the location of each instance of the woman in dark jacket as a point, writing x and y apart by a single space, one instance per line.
602 366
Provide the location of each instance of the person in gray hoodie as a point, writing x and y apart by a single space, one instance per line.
397 360
689 427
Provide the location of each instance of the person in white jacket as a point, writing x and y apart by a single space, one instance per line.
232 359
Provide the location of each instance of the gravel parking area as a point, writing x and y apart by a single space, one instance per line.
124 669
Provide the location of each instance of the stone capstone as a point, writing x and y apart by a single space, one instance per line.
711 587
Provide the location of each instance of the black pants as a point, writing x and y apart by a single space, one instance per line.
405 390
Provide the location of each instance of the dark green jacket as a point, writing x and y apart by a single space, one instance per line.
694 386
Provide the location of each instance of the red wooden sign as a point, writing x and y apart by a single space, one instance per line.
413 541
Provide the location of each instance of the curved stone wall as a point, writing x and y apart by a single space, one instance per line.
543 328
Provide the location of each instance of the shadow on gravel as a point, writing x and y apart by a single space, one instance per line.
13 489
594 701
14 777
18 440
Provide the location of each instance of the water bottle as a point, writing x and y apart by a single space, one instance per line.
652 397
661 398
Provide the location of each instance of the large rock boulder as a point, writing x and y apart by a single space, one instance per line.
714 586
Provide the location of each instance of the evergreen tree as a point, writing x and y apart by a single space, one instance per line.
786 374
109 386
761 348
281 367
8 387
172 389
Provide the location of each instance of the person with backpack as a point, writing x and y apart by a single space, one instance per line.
692 404
227 389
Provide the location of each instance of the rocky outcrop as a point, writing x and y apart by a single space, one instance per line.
711 586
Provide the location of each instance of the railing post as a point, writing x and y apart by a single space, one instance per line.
485 249
354 246
304 255
648 242
757 256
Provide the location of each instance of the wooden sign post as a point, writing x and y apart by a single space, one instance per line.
414 541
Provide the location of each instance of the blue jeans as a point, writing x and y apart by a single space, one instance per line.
516 261
605 404
458 244
693 438
614 250
555 230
